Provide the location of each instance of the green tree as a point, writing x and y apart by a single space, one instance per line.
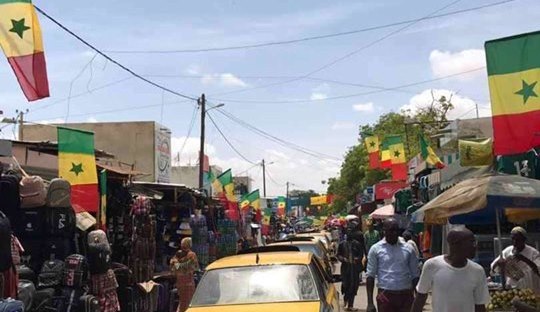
355 174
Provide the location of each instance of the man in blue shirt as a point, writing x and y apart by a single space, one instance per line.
395 265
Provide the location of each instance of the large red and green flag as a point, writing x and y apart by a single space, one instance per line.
20 38
252 199
386 160
397 156
77 164
428 155
372 146
513 66
226 181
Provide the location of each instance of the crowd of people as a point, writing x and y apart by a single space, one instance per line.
398 282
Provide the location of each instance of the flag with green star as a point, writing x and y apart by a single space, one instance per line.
77 164
20 39
513 66
397 156
372 146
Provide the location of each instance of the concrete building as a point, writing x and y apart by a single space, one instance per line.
189 175
146 145
242 185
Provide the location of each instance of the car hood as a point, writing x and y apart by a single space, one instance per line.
261 307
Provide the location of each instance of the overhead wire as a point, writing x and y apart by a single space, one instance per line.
110 59
191 126
310 38
227 140
346 56
272 179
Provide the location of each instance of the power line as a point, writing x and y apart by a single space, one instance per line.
272 179
191 125
318 37
346 56
125 68
227 140
276 139
379 90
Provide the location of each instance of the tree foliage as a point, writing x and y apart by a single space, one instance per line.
355 174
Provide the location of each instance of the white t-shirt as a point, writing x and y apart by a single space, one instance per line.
453 289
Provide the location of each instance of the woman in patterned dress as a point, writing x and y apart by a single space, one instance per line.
184 264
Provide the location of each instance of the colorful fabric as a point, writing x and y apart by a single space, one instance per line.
513 66
20 38
109 302
102 220
386 160
101 284
372 146
372 238
9 281
77 164
252 199
428 154
526 164
476 153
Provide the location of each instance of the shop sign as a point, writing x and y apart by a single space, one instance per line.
162 154
385 190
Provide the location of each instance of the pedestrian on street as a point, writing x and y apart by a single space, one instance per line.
371 236
184 264
520 263
350 254
407 236
456 283
395 265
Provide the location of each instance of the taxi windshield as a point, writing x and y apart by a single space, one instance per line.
256 284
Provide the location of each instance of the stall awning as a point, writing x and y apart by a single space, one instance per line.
383 212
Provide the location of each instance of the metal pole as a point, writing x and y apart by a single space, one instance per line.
499 247
21 123
477 114
287 200
264 178
202 103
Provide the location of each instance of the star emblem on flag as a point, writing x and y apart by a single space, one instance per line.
372 144
527 90
397 154
19 27
77 169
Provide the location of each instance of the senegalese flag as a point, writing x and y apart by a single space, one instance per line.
102 220
386 160
216 185
372 146
397 155
252 199
428 154
226 180
20 38
267 214
281 205
513 66
77 164
475 153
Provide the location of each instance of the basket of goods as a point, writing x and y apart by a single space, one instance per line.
502 300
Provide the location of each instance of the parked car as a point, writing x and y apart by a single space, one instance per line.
313 246
266 281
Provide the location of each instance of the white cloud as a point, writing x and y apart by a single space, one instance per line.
343 125
364 107
91 120
320 92
224 80
464 107
444 63
52 121
193 70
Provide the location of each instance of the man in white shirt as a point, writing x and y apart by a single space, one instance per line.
522 258
457 284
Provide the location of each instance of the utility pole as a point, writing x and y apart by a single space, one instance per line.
202 103
287 200
477 113
264 178
20 119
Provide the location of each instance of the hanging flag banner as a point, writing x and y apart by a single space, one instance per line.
372 146
251 200
225 181
428 154
476 153
20 38
281 205
103 191
77 164
513 66
318 200
397 154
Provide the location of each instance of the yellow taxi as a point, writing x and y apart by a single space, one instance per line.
314 246
266 282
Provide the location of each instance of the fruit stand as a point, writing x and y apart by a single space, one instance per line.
501 300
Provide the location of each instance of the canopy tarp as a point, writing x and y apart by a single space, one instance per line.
517 196
383 212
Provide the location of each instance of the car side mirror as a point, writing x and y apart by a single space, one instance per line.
336 278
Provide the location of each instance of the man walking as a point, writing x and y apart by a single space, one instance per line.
456 283
350 254
371 235
395 266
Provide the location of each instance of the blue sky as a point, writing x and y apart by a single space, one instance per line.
427 50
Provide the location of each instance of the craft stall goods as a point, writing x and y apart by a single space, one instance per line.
227 238
199 237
